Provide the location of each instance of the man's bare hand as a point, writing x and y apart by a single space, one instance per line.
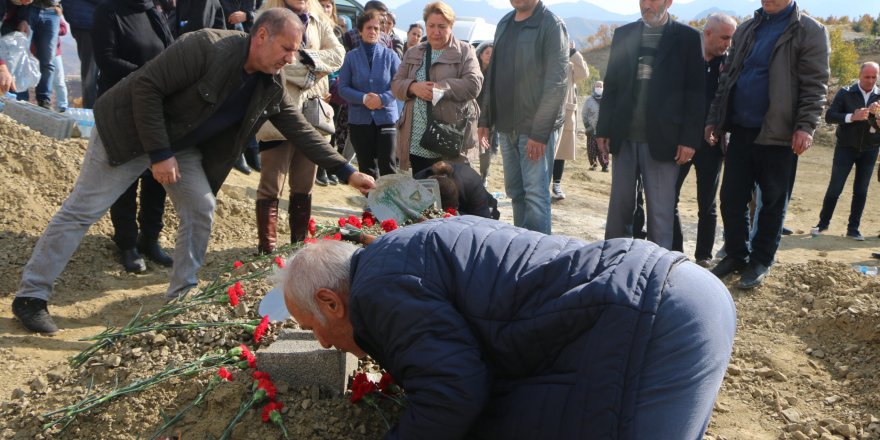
709 135
684 154
373 101
801 141
604 144
166 172
535 150
7 82
362 182
236 17
860 115
483 136
423 90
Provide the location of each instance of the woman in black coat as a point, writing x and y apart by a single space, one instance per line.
126 35
473 199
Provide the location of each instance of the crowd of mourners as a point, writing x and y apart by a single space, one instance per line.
185 91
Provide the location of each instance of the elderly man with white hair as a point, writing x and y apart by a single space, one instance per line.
499 332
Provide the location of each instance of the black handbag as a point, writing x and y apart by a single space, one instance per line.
440 137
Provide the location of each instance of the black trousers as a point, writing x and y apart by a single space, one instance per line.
88 68
419 163
374 146
125 216
707 163
748 164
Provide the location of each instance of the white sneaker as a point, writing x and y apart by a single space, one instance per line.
558 194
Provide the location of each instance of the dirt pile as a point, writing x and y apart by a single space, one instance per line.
804 364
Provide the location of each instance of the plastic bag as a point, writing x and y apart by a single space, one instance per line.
25 68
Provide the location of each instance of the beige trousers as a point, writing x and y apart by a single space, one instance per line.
285 162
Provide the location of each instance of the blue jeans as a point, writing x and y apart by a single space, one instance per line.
45 24
527 182
844 160
60 85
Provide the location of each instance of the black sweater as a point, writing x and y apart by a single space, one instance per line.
126 35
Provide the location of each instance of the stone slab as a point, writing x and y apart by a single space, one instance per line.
47 122
298 359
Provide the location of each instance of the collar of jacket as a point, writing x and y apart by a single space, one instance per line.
856 88
217 81
534 20
450 55
795 16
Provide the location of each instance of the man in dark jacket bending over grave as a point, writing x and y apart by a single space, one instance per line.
496 332
186 115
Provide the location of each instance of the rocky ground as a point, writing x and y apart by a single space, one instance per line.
804 365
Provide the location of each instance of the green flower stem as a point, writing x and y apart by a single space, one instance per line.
70 412
198 400
183 326
246 406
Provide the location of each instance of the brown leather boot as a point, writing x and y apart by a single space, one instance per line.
300 211
267 221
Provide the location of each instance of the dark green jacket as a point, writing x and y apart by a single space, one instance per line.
178 90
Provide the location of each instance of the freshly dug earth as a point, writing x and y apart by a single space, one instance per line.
804 363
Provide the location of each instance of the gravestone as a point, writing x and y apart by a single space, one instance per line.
47 122
297 358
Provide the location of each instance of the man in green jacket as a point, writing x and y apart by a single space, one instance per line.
186 115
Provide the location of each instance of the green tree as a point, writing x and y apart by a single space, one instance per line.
844 58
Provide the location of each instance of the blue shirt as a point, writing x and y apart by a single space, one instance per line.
751 98
358 76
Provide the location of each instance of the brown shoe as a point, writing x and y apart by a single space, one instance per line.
267 222
300 211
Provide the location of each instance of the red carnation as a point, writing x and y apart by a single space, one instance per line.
367 215
354 221
369 221
261 329
238 290
310 240
451 211
385 383
361 386
246 354
279 261
389 225
341 222
269 409
233 297
225 374
446 215
337 236
237 264
313 226
267 386
259 375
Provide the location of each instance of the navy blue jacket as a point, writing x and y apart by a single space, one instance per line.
357 77
79 13
499 332
856 134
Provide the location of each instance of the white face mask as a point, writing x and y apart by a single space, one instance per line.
598 91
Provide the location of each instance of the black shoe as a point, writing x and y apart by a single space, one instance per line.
753 276
604 169
875 255
704 262
241 165
333 179
727 266
152 250
132 261
321 178
33 313
252 158
45 103
786 231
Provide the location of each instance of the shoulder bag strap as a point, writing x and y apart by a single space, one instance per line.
428 79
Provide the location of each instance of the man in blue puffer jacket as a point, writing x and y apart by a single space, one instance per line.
499 332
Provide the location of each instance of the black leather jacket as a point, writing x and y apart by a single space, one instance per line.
856 134
542 74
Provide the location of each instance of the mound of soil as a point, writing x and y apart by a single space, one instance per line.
804 361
